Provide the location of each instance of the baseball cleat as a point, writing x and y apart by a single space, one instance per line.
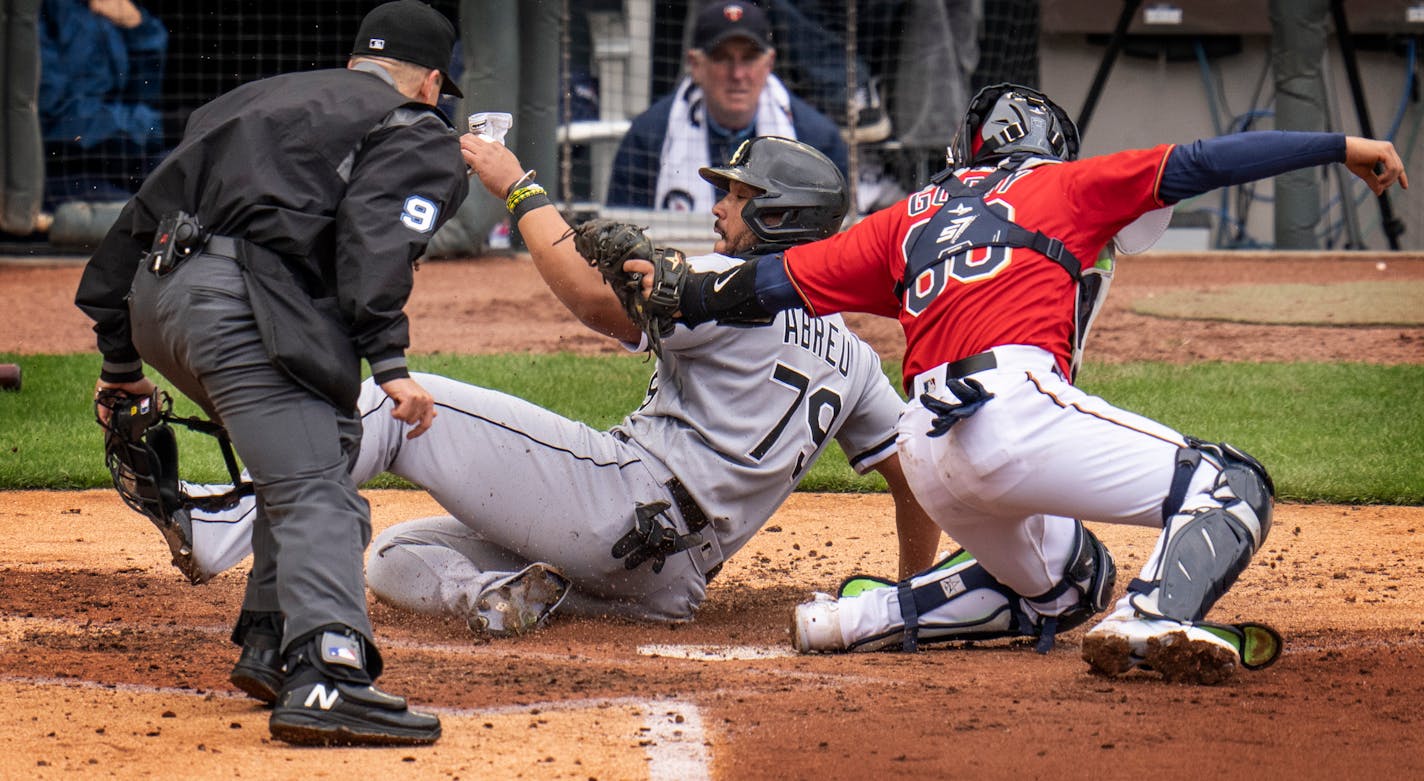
259 671
816 626
519 603
326 712
1197 652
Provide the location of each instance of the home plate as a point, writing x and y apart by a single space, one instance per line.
714 653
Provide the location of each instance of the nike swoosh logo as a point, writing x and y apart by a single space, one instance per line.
721 282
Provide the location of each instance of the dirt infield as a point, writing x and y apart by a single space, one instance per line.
110 665
500 305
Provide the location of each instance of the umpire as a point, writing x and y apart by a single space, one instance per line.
254 269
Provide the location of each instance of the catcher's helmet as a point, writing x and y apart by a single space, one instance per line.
1009 118
798 184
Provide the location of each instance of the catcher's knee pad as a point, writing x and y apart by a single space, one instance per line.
1206 549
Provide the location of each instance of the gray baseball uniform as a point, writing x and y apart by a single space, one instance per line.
733 415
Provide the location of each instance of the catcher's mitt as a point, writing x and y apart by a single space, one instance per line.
606 244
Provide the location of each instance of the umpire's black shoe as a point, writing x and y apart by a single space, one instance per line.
328 700
259 670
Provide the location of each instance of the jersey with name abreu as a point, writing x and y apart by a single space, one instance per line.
740 414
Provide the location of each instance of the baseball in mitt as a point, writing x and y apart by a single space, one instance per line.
607 244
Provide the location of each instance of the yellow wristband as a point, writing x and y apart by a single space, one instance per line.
528 205
527 191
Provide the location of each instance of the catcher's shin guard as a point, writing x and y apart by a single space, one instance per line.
955 599
958 599
1202 551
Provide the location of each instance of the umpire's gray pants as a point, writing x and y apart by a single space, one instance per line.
196 327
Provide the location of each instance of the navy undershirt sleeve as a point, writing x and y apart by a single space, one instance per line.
774 290
1202 166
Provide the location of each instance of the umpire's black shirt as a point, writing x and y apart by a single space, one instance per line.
334 170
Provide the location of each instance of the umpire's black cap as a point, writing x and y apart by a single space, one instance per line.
410 31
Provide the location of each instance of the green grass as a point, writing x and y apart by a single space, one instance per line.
1349 433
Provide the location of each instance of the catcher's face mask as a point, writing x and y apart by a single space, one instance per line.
1004 119
141 452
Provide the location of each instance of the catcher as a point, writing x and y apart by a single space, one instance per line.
636 520
995 271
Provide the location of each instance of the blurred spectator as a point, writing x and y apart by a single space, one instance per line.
101 69
813 58
728 96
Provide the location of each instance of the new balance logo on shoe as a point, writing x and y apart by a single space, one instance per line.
322 697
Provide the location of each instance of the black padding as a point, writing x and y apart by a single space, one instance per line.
1188 458
1202 561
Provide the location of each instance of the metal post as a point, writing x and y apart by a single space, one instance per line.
1393 227
566 148
852 108
1129 9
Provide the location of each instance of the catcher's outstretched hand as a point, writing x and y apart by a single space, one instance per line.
496 166
1375 162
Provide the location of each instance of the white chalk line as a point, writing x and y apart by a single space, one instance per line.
716 653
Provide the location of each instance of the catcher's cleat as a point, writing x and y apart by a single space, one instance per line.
816 626
1199 652
519 603
259 671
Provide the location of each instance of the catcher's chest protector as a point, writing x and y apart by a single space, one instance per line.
969 239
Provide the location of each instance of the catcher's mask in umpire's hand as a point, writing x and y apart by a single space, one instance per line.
1004 119
141 452
798 184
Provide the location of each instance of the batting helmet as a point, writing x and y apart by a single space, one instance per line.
803 194
1009 118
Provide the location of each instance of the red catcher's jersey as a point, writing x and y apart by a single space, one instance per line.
992 296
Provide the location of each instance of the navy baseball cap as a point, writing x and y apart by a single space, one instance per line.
721 21
409 31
